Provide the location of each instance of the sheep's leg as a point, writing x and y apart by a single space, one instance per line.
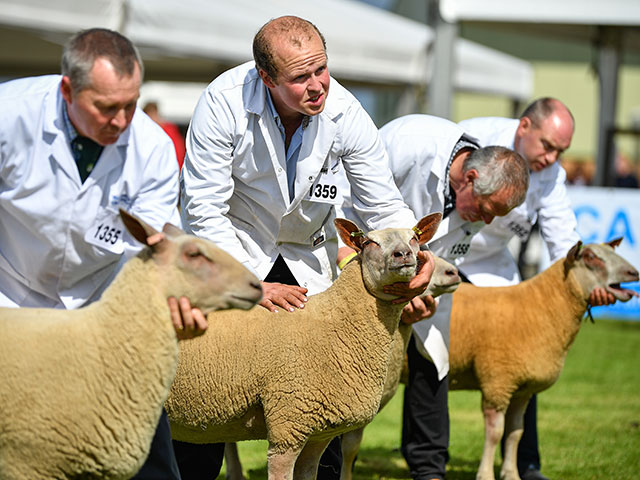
232 462
493 428
309 459
350 447
280 465
513 432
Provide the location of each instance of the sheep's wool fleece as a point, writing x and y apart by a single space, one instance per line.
289 376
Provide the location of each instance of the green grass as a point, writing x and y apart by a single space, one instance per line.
588 422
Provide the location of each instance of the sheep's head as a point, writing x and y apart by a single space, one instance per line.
195 268
445 278
597 265
390 255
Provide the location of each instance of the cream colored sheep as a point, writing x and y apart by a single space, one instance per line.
82 390
445 279
299 379
511 342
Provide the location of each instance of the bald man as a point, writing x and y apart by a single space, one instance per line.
265 146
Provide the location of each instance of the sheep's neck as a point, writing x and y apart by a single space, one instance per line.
362 304
561 301
137 337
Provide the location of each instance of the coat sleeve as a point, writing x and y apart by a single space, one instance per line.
157 200
206 178
375 197
558 225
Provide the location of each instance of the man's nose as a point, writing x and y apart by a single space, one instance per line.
120 119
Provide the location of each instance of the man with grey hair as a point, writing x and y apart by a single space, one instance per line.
541 134
73 151
438 167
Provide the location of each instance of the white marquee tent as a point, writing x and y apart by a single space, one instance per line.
194 40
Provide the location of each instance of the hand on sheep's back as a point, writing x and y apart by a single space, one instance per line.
418 284
288 297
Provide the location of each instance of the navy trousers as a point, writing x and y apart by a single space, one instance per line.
425 418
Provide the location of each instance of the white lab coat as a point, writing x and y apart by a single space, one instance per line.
419 149
45 211
489 262
234 181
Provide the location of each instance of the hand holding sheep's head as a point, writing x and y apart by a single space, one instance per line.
601 271
391 256
196 268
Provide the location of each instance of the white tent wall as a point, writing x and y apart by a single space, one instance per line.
195 40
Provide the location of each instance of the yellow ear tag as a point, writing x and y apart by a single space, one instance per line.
417 230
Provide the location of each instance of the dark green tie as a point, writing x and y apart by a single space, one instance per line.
86 153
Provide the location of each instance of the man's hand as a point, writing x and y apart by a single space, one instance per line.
188 322
599 296
418 284
288 297
418 309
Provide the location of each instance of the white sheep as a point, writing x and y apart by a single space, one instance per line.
82 390
511 342
445 279
301 378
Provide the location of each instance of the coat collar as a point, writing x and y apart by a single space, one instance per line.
54 133
316 141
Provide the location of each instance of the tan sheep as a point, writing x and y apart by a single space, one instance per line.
299 379
82 390
511 342
445 279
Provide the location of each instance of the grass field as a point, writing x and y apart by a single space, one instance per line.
588 422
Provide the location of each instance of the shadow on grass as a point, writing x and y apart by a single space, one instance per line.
380 463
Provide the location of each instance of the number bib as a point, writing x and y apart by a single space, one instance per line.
107 232
325 189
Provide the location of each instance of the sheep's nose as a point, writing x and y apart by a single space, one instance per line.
402 253
451 272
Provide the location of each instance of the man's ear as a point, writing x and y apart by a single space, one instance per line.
524 125
65 89
266 79
471 175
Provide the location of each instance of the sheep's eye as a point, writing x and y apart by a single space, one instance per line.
194 254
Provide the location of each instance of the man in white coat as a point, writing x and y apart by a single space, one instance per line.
72 153
265 144
540 135
438 167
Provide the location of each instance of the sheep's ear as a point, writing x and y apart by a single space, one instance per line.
143 232
572 256
615 243
349 232
171 230
137 227
427 226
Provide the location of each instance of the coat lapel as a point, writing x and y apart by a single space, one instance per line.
54 135
316 144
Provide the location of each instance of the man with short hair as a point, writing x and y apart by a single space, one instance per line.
437 166
542 133
265 145
72 152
